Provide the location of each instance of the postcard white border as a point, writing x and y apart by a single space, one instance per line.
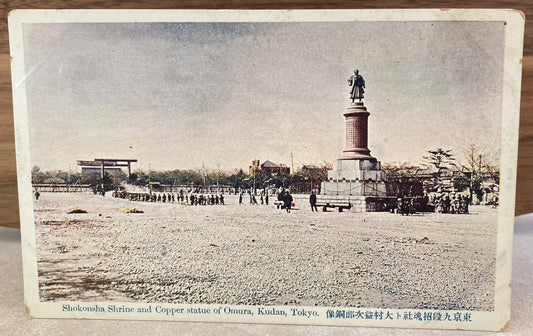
514 30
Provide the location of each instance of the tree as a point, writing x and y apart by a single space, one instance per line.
239 180
107 182
36 175
442 162
440 158
403 179
476 169
139 177
309 178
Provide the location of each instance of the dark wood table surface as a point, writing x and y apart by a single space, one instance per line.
8 178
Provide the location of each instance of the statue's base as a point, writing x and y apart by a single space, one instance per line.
360 203
360 182
353 188
363 169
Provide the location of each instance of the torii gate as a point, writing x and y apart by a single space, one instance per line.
103 163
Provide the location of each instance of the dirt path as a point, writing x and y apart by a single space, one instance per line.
260 255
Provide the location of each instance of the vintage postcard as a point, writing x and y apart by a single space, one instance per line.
322 167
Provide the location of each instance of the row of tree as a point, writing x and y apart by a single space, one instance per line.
303 180
440 171
110 180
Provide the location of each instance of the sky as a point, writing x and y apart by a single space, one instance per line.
183 95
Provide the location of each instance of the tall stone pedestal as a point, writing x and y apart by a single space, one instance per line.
358 177
356 138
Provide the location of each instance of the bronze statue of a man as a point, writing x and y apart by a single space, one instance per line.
357 83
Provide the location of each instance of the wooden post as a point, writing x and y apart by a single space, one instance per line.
102 176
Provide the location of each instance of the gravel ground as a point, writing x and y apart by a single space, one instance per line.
258 255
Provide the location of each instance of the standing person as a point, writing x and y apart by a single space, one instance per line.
287 202
312 200
281 196
446 201
262 199
240 198
37 194
266 198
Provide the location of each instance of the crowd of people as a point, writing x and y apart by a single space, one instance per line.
284 199
440 203
263 198
452 203
181 197
449 203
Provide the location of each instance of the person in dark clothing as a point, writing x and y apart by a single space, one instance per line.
266 198
312 200
287 201
403 205
447 202
37 194
240 198
281 195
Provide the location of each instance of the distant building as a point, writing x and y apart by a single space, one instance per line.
255 167
434 179
268 167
